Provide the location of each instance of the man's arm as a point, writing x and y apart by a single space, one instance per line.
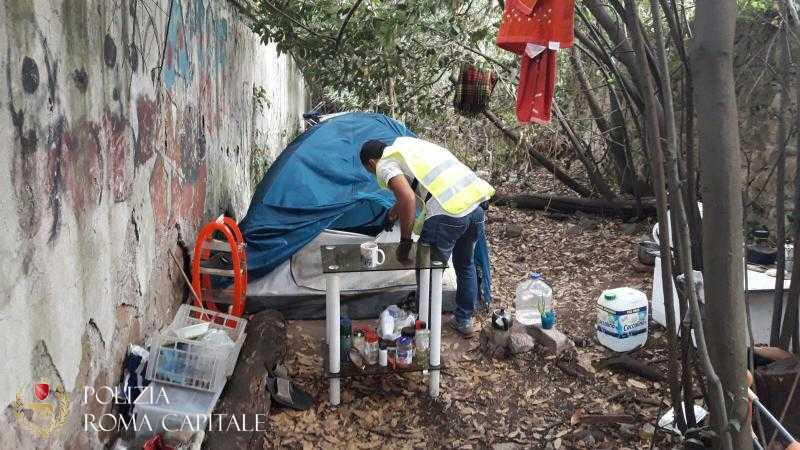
406 206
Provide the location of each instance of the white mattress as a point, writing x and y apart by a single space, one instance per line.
302 274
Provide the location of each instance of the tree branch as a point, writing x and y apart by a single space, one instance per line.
551 167
344 25
591 168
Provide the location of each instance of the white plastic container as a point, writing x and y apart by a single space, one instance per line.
163 407
532 295
196 363
622 319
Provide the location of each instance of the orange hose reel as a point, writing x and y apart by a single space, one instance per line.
209 260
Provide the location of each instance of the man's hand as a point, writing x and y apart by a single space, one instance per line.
404 251
406 206
390 218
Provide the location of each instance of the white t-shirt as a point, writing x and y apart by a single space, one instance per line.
388 169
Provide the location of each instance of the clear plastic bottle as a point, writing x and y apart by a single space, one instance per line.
533 297
405 351
422 341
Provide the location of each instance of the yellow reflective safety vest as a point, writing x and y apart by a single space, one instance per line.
447 179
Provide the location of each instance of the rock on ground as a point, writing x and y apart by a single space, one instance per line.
502 344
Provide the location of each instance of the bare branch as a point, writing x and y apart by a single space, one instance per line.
344 25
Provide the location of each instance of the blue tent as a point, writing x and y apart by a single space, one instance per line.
318 183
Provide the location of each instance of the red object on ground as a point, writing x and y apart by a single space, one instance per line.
156 443
537 81
548 24
201 276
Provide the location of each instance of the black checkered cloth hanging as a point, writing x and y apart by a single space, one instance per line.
473 89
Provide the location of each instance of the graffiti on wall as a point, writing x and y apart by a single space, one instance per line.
86 131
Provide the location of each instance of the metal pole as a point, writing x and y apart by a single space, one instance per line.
332 324
436 328
424 287
769 415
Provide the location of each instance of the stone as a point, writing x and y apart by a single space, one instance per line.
494 342
513 231
553 341
506 446
586 223
502 344
630 228
520 343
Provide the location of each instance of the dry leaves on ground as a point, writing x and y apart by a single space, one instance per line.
526 401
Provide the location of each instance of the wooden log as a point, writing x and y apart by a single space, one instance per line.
631 365
569 205
246 393
602 419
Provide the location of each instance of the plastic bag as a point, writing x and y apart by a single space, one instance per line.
392 321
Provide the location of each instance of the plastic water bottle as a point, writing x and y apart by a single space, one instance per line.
533 297
622 319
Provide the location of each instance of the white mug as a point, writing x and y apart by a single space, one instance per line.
371 255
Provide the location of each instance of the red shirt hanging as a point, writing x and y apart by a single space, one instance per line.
548 24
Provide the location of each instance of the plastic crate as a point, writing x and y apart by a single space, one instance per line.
195 363
165 408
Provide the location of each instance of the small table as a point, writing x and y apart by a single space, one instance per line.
346 258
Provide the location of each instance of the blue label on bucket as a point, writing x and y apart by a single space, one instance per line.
622 324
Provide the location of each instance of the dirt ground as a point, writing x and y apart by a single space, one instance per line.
527 401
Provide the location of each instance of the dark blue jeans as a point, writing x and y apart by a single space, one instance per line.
456 236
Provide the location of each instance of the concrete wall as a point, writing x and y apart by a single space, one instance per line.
125 125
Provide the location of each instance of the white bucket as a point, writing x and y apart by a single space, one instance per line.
622 320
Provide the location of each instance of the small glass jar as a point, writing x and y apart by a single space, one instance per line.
358 341
371 348
405 351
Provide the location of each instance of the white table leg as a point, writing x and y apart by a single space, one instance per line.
436 330
423 291
332 319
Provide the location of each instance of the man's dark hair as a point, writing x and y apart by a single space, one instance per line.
372 149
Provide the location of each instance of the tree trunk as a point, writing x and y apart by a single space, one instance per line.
595 176
551 167
790 327
615 137
653 138
718 131
780 194
622 45
679 216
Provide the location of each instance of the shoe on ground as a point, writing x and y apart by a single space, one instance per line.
462 329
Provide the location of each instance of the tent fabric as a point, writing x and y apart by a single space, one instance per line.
319 183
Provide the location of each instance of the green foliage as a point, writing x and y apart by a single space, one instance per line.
415 43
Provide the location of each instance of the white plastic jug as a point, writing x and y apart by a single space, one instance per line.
622 319
532 295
